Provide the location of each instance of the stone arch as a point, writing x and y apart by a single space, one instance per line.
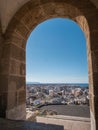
23 22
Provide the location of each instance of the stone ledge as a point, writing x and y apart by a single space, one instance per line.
74 118
26 125
68 122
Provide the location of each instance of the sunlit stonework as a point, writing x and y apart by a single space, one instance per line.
17 20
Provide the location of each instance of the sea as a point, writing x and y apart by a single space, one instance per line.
79 84
70 84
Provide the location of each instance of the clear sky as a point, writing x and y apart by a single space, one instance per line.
56 53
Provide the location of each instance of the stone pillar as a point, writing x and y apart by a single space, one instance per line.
12 72
12 79
94 91
16 96
12 76
93 73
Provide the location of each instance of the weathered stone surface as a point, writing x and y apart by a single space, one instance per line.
21 97
26 125
12 100
17 112
16 81
3 104
94 39
69 122
1 40
3 83
13 43
8 11
17 53
3 79
4 66
17 67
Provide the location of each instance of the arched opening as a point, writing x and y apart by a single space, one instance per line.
56 70
23 22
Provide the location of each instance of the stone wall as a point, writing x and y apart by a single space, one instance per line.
3 96
12 63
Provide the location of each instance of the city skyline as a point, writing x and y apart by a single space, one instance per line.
56 53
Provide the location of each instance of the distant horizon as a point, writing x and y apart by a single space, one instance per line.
55 82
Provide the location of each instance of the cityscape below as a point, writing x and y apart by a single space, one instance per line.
44 99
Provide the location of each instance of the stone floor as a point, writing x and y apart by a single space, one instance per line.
26 125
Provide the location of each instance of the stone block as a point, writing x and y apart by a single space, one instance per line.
17 53
17 113
18 41
96 107
92 107
3 83
11 100
6 51
94 40
17 81
95 83
4 66
22 69
3 104
22 30
17 68
21 97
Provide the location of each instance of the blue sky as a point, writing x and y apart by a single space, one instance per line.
56 53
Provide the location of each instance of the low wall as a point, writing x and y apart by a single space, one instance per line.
69 122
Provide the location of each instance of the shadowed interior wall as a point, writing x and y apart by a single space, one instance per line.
3 77
0 41
15 38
